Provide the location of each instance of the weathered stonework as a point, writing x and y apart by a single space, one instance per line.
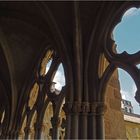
114 122
132 124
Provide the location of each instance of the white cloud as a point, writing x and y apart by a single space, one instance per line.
123 96
126 95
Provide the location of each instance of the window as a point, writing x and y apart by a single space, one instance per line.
126 109
130 110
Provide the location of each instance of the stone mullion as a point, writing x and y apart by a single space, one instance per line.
38 130
53 68
55 123
27 131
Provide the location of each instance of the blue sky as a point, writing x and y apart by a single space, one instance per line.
127 37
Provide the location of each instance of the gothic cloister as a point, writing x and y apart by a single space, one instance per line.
78 36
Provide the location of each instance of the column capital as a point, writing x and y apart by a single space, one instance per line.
93 107
76 107
85 107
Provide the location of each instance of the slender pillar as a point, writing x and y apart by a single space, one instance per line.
92 121
76 106
83 120
74 126
101 108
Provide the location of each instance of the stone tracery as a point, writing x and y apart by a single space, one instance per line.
45 91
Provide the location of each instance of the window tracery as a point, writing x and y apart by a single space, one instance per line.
45 100
21 133
124 60
33 95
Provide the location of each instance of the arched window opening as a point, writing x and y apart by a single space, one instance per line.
127 41
56 96
128 89
127 33
59 78
127 37
120 56
47 97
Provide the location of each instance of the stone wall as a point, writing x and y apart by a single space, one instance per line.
114 122
132 124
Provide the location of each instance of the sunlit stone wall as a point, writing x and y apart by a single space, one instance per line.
114 122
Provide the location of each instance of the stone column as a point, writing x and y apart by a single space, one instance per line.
92 121
83 120
100 110
76 107
72 119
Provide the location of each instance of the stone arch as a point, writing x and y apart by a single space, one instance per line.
105 45
23 17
